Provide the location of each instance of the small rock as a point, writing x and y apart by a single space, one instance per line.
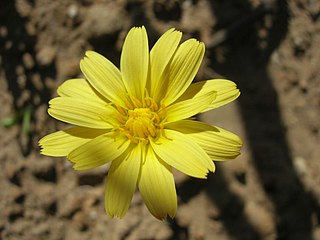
46 55
300 166
73 11
24 8
28 60
37 81
3 32
93 215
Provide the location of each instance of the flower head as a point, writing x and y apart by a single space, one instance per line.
138 118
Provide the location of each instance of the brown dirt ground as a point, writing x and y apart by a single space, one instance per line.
270 48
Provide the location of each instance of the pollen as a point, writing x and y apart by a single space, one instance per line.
141 120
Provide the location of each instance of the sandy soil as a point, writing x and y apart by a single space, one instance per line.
270 48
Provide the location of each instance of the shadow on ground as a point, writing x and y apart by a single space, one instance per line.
246 63
25 78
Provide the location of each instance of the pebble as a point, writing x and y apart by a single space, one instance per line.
37 81
46 55
28 60
3 32
73 11
300 166
24 8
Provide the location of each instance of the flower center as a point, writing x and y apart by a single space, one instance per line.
141 120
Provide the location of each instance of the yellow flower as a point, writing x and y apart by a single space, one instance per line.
137 118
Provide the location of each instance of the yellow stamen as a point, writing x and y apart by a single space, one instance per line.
142 119
128 104
121 110
136 101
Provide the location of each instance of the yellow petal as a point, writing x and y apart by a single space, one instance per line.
134 61
103 149
182 153
226 92
190 107
160 55
121 182
217 142
157 188
61 143
104 77
183 68
80 88
81 112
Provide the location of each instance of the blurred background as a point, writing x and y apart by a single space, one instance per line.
270 48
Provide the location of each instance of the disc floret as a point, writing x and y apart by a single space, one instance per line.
140 121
